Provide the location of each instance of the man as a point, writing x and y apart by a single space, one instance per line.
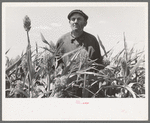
78 37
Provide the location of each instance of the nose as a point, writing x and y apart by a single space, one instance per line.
76 20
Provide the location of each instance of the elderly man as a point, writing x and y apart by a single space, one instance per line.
78 37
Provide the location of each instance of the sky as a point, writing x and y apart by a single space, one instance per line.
107 20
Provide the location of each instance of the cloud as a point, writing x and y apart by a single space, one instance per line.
42 27
55 24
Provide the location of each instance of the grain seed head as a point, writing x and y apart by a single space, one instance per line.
27 23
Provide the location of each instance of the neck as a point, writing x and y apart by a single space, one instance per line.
76 33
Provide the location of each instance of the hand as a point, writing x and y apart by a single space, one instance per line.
106 61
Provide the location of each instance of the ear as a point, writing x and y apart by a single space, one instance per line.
85 23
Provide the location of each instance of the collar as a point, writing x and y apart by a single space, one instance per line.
80 38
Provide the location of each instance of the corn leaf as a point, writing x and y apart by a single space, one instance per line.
101 44
70 62
136 56
36 48
43 39
85 83
18 62
131 52
7 51
71 52
111 49
134 69
39 72
116 86
58 48
115 59
21 91
125 47
92 73
51 51
131 91
51 45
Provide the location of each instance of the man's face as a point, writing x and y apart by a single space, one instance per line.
77 22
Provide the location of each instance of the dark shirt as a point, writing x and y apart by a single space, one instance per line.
87 40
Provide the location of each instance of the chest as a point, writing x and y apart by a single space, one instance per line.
74 44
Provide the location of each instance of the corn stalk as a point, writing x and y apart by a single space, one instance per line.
27 26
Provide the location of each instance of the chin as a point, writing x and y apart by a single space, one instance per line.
76 29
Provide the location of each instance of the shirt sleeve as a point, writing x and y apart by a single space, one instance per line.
97 53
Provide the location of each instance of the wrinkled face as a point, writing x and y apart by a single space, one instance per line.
77 22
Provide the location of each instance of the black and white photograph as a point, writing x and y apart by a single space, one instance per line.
90 55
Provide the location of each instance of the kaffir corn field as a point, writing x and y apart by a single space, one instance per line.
37 74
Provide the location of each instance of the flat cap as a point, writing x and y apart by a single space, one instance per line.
79 12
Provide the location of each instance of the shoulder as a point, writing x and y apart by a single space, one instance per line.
63 37
90 36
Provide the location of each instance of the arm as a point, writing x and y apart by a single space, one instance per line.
97 52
